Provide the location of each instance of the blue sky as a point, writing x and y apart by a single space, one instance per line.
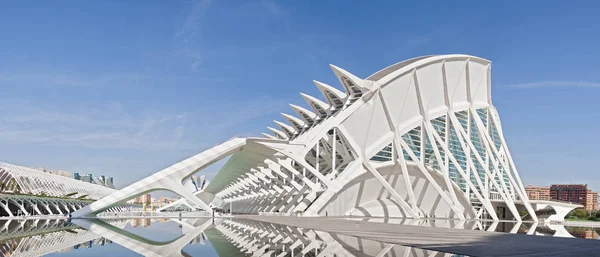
126 88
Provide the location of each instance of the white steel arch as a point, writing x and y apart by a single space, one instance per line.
419 138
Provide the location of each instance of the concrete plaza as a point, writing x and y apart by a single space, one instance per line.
458 241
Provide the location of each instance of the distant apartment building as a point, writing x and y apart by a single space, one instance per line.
575 193
143 199
591 201
100 180
63 173
146 222
141 222
538 192
85 177
37 168
107 181
584 233
164 199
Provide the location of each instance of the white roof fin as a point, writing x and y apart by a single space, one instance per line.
269 136
278 133
320 108
307 116
335 98
297 123
286 128
355 86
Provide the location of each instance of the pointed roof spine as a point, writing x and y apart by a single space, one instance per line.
354 85
278 133
269 136
307 116
286 128
334 97
320 108
297 123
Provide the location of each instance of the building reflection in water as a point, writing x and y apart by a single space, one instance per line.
141 222
41 237
264 239
584 233
236 237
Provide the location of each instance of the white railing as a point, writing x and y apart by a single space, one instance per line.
151 214
288 214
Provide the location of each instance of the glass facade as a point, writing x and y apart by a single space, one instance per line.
422 147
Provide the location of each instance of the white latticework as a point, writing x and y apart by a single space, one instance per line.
420 138
23 180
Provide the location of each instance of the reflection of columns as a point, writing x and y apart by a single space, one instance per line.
532 229
254 238
142 245
560 230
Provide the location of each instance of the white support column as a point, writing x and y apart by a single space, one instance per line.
484 200
170 178
334 155
431 180
490 147
5 206
20 206
405 174
363 158
445 172
509 202
400 155
390 189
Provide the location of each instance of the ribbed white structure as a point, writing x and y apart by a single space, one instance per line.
23 180
420 138
34 238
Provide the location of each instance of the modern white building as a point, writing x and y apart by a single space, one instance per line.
420 138
28 181
29 191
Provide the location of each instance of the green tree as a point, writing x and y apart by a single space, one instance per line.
578 214
523 213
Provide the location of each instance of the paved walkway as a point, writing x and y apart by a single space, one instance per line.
581 223
457 241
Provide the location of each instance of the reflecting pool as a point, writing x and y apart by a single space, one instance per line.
225 237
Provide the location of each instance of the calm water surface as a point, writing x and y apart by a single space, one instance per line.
224 237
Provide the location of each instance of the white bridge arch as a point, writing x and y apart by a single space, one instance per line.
420 138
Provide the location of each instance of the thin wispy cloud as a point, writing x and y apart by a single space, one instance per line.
556 83
192 19
187 36
274 8
92 127
110 126
33 78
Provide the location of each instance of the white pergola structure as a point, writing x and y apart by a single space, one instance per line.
28 181
420 138
32 192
